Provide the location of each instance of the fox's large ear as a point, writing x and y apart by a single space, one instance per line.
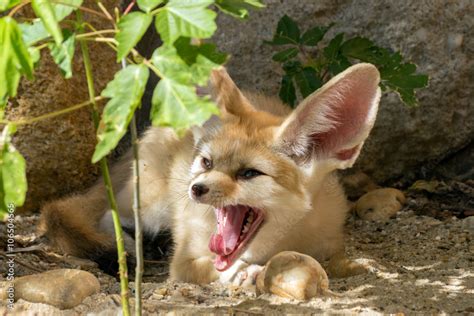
212 125
333 122
226 94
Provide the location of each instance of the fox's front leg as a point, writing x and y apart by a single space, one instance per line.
193 270
241 274
340 266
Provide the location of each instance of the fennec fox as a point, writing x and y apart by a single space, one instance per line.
256 181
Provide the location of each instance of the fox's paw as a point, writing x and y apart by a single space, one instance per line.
341 267
195 270
248 276
240 274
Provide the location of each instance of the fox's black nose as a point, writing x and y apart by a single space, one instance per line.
199 189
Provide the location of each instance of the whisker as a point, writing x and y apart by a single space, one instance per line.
209 208
178 199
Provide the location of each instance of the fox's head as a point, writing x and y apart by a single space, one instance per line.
259 170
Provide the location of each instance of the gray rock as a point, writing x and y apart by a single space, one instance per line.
433 34
62 288
459 166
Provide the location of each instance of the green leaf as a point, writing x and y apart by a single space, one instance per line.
7 4
286 54
395 74
196 67
170 65
292 67
36 31
239 8
336 61
125 92
12 171
201 70
44 10
189 52
34 54
148 5
185 18
357 47
314 35
14 176
178 106
287 90
61 11
14 59
332 50
63 54
338 64
405 86
307 81
131 29
287 32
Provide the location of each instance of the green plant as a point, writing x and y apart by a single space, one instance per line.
308 64
183 62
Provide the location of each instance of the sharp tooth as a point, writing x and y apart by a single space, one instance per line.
246 228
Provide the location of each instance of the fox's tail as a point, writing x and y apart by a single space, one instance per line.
72 224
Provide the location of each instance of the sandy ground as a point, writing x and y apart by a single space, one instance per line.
417 264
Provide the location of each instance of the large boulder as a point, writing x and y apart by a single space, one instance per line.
435 35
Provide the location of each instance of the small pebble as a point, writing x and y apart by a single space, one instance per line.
454 41
162 291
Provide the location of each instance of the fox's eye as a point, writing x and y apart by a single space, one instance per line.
206 163
247 174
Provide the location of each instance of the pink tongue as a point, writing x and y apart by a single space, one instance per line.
230 220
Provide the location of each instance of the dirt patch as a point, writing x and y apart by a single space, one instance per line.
442 199
417 264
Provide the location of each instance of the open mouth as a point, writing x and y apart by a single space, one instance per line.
236 225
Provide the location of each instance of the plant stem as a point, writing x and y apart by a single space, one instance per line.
18 7
108 41
136 215
40 47
129 8
122 260
106 13
98 39
147 63
156 11
83 35
52 114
